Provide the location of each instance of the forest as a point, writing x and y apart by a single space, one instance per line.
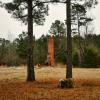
15 53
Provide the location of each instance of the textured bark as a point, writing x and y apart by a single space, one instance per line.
69 40
81 48
30 63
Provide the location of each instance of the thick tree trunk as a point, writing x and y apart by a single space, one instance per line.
69 40
30 64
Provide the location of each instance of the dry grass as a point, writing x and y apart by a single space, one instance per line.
14 87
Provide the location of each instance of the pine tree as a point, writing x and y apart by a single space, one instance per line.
29 12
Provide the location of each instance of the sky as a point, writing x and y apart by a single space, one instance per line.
10 28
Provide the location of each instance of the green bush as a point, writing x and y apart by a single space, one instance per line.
90 58
61 57
75 59
98 60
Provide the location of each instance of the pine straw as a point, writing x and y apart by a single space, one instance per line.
14 87
48 90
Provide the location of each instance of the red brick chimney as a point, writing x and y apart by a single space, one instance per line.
51 50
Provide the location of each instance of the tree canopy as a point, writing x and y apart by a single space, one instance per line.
18 9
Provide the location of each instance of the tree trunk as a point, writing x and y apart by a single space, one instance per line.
79 42
30 64
69 40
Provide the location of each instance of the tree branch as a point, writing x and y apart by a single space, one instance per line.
48 2
43 3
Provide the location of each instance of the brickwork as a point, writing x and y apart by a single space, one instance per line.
51 50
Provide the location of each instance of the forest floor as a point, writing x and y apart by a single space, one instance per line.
13 85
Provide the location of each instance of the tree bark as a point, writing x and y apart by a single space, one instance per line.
79 42
69 40
30 63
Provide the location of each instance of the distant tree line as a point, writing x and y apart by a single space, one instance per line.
91 51
15 53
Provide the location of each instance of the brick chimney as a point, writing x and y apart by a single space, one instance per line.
51 50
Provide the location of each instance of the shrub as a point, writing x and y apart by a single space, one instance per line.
75 59
90 58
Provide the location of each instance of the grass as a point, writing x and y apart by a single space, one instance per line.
14 87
